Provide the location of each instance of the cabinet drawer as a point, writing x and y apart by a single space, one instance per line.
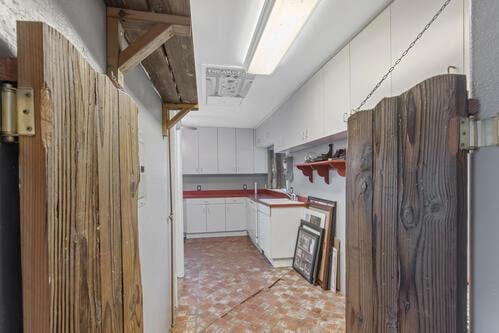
205 201
235 200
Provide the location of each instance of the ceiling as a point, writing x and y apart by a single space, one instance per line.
222 30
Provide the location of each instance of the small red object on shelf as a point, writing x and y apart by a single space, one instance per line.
322 169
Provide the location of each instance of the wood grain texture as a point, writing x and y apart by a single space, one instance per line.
171 68
359 198
78 148
33 185
129 180
416 234
140 49
8 69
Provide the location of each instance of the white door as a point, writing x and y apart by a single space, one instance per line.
190 152
215 218
226 150
195 217
236 217
208 150
244 150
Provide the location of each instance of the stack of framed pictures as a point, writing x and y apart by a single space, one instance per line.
314 249
307 250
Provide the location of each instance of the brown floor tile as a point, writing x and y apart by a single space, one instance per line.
226 289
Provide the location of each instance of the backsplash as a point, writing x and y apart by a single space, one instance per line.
223 182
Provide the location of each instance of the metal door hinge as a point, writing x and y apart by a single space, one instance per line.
17 112
478 133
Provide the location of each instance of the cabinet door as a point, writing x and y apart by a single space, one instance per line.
236 217
337 92
215 218
370 59
195 217
264 233
261 159
208 150
441 46
226 150
315 109
244 150
190 152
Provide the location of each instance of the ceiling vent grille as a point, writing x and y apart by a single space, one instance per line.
227 86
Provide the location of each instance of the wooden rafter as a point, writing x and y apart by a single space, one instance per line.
137 15
168 122
121 59
8 69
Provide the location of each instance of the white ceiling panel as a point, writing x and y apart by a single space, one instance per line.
222 31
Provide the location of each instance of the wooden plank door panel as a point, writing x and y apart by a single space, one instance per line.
406 212
79 176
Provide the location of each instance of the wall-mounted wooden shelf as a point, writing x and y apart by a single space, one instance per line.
322 169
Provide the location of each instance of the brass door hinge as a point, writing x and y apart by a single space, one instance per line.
17 112
478 133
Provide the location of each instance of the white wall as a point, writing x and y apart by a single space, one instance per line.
485 172
83 23
335 191
223 182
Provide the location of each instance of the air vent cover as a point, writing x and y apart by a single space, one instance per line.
227 86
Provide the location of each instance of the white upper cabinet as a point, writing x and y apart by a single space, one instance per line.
370 59
440 47
261 160
336 92
208 150
190 152
227 150
244 150
314 109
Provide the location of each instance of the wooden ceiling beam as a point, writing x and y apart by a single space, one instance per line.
8 69
114 31
180 106
137 15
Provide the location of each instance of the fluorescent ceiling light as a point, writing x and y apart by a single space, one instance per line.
279 24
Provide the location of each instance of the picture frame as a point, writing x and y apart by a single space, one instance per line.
308 244
327 209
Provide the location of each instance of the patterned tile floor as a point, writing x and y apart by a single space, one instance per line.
229 287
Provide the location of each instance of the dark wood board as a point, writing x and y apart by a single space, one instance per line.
171 68
406 212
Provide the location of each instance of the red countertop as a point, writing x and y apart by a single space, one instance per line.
262 194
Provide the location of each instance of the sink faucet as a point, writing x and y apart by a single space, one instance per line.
291 195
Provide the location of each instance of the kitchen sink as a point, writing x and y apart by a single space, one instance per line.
282 201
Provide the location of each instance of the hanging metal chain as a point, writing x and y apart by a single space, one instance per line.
418 37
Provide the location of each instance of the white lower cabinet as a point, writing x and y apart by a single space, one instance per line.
235 214
215 218
272 230
264 232
277 230
195 216
252 213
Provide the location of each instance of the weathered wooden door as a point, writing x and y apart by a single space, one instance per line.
79 177
406 212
